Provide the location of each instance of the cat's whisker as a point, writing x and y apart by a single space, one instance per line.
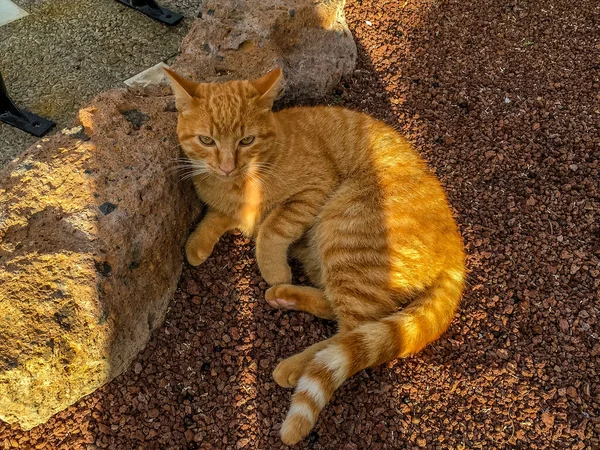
194 173
262 165
254 171
183 164
181 161
188 178
253 177
187 163
202 177
199 170
269 172
269 169
184 168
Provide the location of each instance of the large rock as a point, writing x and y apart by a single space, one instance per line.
309 39
91 230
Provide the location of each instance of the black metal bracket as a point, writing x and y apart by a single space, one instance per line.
152 9
19 118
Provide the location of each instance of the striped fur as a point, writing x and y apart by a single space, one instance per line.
347 196
367 345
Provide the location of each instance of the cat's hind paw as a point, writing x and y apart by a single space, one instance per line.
288 372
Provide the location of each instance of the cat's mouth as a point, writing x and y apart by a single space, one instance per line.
221 174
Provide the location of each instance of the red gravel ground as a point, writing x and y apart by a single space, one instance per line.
502 98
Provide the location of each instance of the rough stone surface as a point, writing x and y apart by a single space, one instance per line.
242 39
91 228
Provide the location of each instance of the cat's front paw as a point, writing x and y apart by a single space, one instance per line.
276 297
195 252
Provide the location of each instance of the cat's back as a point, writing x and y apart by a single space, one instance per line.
334 116
326 123
353 141
368 154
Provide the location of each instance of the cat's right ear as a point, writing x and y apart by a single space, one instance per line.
183 89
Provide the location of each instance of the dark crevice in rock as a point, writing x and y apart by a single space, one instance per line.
107 207
135 117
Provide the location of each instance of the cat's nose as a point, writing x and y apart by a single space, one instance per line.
227 169
227 164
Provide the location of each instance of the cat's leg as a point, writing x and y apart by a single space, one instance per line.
308 256
201 242
300 298
282 227
288 372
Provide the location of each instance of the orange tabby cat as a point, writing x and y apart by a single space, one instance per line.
347 196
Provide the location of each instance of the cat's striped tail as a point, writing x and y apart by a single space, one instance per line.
368 345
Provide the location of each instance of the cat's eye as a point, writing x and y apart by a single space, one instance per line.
247 140
206 140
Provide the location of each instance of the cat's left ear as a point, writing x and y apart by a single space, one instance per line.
268 86
183 88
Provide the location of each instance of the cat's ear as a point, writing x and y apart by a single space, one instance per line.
268 86
182 88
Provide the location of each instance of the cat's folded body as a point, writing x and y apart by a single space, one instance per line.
347 196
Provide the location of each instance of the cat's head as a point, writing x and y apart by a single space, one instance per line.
226 128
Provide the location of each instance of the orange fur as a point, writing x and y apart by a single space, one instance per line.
347 196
